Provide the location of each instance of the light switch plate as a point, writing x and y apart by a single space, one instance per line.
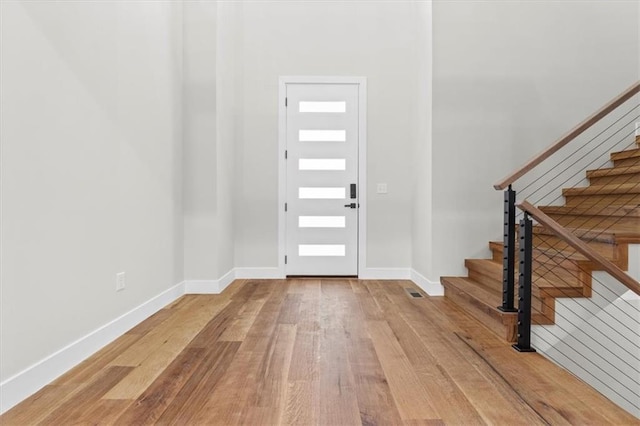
382 188
120 281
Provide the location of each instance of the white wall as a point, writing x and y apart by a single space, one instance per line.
200 196
91 167
509 78
210 127
422 228
376 40
229 77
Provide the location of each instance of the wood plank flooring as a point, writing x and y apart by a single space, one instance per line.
314 352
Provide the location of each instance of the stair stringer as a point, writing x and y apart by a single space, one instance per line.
598 338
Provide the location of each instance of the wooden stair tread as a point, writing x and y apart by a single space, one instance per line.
496 245
554 277
562 254
613 171
610 189
565 254
481 293
481 304
486 267
621 155
548 277
594 234
616 211
488 301
554 289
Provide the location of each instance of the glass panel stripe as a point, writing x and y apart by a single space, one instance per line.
321 250
307 106
321 221
322 193
322 164
322 135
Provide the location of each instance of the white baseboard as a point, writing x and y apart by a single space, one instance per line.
218 286
29 381
201 287
430 287
210 286
226 279
385 274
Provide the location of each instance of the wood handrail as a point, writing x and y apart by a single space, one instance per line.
581 246
571 135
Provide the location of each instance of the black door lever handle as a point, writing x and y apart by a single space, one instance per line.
352 205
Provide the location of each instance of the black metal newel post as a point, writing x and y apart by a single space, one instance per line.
524 291
509 251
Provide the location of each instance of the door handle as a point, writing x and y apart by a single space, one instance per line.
352 205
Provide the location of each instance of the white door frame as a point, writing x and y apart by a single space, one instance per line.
362 163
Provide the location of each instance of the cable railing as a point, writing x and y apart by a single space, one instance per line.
570 136
569 250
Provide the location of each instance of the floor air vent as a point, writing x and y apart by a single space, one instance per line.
413 293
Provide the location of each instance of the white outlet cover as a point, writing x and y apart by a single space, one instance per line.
382 188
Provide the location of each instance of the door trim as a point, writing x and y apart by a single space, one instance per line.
361 82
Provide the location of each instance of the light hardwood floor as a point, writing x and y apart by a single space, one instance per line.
314 351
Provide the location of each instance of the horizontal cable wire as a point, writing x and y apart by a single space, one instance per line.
552 265
589 142
582 368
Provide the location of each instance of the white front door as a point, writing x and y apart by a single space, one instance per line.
322 179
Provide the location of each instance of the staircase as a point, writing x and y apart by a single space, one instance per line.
605 214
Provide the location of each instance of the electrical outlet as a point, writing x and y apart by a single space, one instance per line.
382 188
120 281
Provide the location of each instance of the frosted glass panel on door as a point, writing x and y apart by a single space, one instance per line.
321 250
322 106
322 164
322 135
322 193
321 222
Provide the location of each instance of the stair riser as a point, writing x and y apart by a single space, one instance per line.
627 153
603 200
609 251
491 282
604 180
497 255
543 318
594 211
541 257
549 241
558 277
542 261
601 222
551 268
553 260
478 311
555 275
634 161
